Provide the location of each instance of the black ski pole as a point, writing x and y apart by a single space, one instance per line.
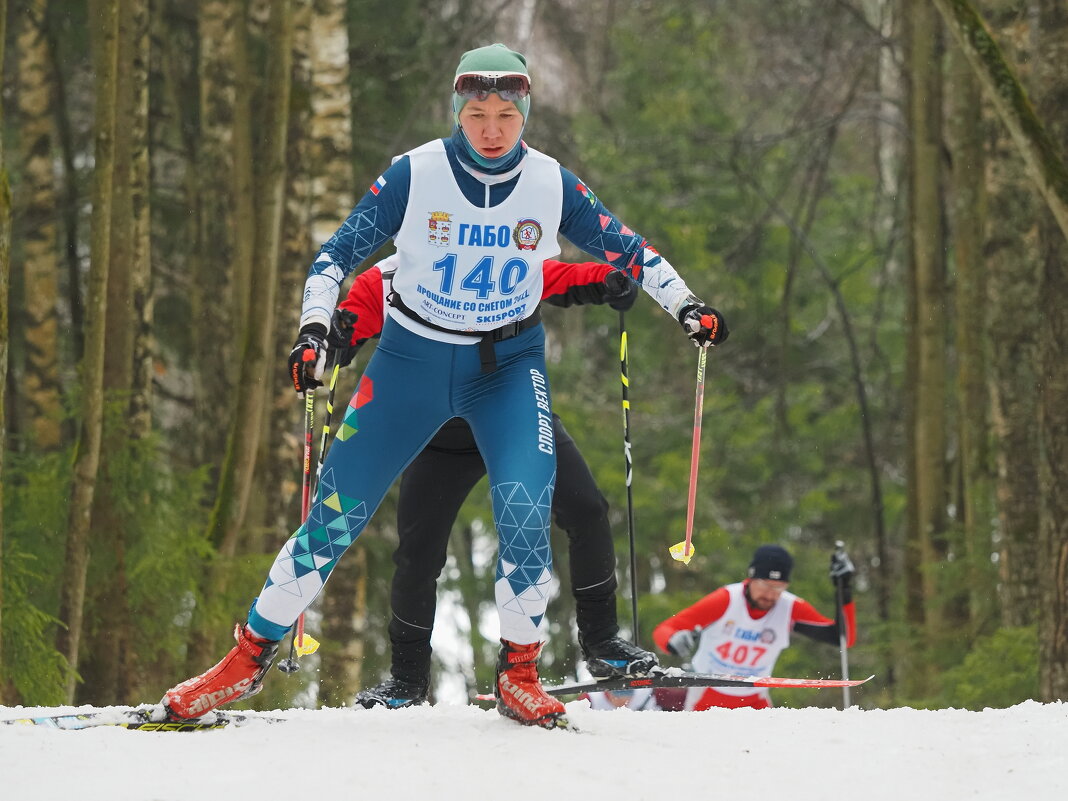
843 643
629 467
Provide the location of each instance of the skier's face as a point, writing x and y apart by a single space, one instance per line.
763 593
492 126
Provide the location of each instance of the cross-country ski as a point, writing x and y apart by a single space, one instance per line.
148 718
678 678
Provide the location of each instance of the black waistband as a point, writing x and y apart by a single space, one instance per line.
486 338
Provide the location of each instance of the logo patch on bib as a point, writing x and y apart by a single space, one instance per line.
439 228
527 234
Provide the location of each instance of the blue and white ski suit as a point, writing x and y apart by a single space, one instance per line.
470 247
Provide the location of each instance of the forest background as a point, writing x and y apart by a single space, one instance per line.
872 194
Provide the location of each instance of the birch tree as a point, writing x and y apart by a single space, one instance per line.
330 160
39 391
138 44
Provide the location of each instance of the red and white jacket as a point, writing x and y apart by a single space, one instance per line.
564 284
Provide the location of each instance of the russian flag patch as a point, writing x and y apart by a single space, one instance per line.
376 187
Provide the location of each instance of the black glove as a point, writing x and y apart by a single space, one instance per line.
703 324
307 360
842 571
620 291
342 347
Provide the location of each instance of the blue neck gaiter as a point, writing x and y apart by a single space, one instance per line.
471 157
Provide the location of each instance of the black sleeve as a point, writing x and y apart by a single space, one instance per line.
578 295
820 632
829 633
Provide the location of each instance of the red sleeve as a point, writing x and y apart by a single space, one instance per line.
804 612
365 298
703 613
560 276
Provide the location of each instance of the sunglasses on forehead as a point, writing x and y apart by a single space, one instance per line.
479 87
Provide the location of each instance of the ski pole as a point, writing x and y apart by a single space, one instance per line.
843 644
684 551
325 440
289 664
630 470
306 644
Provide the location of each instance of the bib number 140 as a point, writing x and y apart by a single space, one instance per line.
480 278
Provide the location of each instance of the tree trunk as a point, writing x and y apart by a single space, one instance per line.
1012 329
344 623
471 585
330 201
886 222
245 302
925 328
235 485
5 268
72 594
1051 56
141 310
560 654
331 124
974 510
107 670
282 446
72 200
1041 152
39 391
211 284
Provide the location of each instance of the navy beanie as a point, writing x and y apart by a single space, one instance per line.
771 562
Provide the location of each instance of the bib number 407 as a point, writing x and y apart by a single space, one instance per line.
482 279
741 654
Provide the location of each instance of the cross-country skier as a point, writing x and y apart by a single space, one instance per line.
742 628
435 485
473 217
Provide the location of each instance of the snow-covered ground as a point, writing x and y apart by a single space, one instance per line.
451 752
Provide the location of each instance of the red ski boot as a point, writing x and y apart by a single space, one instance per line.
519 692
239 675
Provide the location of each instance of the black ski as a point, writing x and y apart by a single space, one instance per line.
678 678
139 718
674 677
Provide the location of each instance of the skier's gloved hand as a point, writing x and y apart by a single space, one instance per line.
341 340
307 360
620 291
703 324
842 571
683 643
